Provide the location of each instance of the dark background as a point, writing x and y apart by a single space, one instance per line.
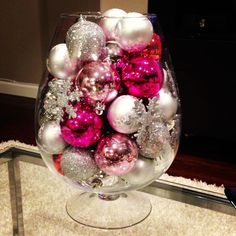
201 38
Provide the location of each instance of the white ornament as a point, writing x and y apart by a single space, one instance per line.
109 21
134 32
142 173
85 41
49 137
168 104
124 114
59 63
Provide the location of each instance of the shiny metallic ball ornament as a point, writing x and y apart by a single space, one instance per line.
78 164
134 32
116 154
114 50
124 114
168 104
85 41
109 21
50 139
59 63
142 172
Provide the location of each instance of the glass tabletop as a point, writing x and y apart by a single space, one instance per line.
161 188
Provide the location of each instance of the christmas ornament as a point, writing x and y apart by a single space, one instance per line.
151 137
98 82
133 32
154 48
143 77
109 21
59 63
83 130
168 104
78 164
50 139
142 172
114 50
116 154
85 41
57 162
124 114
59 99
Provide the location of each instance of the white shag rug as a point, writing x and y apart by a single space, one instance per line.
44 198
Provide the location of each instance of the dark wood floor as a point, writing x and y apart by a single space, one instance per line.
201 158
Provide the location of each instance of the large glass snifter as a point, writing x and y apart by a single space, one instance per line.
108 113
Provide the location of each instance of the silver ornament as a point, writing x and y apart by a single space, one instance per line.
109 20
168 104
49 137
114 50
85 40
133 32
151 137
143 172
59 63
78 164
124 114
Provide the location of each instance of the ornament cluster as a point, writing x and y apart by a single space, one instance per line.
109 110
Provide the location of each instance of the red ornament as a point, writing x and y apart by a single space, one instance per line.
154 48
57 162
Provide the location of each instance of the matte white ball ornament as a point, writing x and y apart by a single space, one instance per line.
109 21
124 114
134 32
49 136
59 63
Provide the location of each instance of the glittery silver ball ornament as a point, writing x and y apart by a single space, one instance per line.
78 164
142 172
124 114
49 137
109 21
168 104
151 138
59 63
133 32
85 41
114 51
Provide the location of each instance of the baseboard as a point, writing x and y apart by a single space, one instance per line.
16 88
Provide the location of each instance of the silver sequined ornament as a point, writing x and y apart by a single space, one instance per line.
133 32
85 40
59 63
124 114
78 164
109 20
49 137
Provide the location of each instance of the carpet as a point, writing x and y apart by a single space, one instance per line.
44 198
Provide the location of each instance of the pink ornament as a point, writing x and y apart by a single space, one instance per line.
83 130
99 82
116 154
143 77
154 48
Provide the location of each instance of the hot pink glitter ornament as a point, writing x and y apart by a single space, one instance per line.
116 154
99 82
143 77
83 130
154 48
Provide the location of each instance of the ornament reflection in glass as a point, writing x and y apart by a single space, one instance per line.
108 114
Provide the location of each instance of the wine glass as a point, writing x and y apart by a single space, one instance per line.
108 117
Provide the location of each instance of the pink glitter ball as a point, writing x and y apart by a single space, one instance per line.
83 130
143 77
116 154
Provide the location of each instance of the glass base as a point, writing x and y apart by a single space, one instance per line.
109 211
